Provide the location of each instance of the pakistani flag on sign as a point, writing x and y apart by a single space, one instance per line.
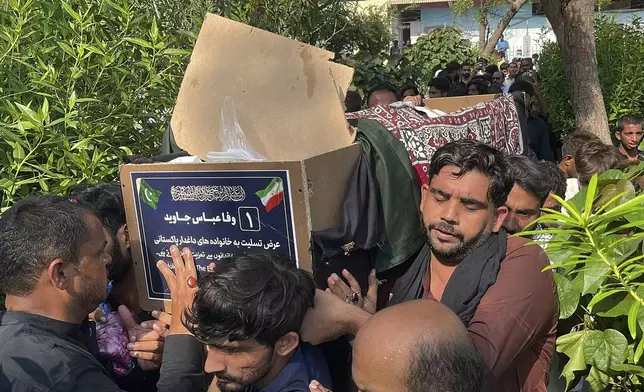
147 194
272 195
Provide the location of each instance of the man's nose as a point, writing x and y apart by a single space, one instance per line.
215 362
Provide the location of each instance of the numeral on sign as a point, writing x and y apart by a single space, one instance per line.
250 220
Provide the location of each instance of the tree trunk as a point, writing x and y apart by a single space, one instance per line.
483 23
503 24
573 22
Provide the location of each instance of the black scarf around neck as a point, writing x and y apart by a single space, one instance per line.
469 282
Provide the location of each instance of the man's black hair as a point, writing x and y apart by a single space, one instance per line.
480 84
352 101
441 84
469 155
34 232
556 178
572 142
530 176
504 66
384 87
492 69
632 119
493 89
257 297
106 201
410 86
522 85
457 92
447 365
453 67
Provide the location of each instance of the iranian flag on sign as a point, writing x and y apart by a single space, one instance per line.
272 195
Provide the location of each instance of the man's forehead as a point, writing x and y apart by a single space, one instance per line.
471 184
632 127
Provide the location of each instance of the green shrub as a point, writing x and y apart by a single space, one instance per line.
620 61
435 50
596 251
84 82
372 71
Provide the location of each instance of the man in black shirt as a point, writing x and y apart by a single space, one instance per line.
54 258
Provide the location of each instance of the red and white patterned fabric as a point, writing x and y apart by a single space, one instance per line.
495 123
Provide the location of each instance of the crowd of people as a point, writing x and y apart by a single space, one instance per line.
473 312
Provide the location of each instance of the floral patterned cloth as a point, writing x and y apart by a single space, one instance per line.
496 123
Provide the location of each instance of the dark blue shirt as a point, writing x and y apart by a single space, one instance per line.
306 365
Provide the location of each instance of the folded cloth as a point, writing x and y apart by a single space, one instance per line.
112 341
497 123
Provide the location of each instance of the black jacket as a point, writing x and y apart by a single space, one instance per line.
41 354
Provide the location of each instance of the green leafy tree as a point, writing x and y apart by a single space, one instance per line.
84 83
372 71
506 9
620 65
596 251
332 24
437 49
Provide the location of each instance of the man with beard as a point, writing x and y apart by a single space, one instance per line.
494 284
106 202
54 257
248 313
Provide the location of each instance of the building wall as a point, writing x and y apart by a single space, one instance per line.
536 27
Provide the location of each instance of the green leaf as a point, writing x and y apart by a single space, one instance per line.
567 296
605 349
632 318
639 351
31 115
140 42
18 152
67 49
154 30
601 296
572 345
590 196
175 52
68 8
598 380
630 369
6 184
614 306
594 276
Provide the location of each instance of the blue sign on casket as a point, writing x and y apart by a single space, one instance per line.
215 213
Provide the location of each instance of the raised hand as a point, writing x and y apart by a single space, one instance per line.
352 293
182 284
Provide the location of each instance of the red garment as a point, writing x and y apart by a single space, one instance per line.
495 123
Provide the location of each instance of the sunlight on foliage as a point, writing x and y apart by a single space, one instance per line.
596 254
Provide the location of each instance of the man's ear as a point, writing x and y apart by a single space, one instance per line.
568 160
60 274
499 216
287 344
423 195
618 135
123 236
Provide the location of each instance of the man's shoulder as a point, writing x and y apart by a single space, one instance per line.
34 360
306 365
524 262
